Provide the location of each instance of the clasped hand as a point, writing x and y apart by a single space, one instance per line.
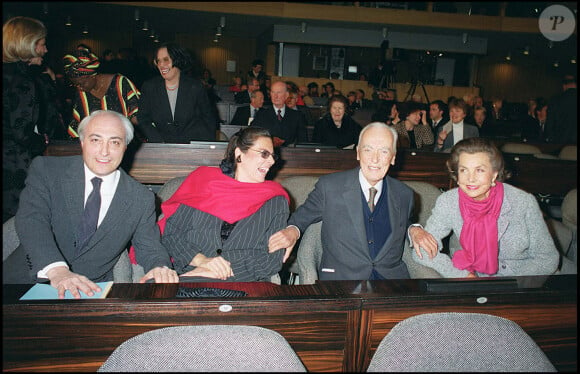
285 238
422 239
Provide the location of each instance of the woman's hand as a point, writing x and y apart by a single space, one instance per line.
218 266
441 138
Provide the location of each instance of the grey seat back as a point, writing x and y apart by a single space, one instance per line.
458 342
212 348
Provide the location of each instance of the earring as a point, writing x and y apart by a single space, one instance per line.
239 159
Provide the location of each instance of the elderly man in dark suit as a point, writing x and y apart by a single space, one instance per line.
78 213
365 214
287 126
244 113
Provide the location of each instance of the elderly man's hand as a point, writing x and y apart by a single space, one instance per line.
422 239
161 274
285 238
63 279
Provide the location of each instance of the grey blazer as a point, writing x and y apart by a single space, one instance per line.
469 131
51 207
190 231
336 200
525 244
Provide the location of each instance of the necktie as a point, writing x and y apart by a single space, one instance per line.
252 113
372 194
91 214
279 115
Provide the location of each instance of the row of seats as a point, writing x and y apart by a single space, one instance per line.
449 342
568 152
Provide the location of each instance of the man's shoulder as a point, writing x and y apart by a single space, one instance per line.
339 176
56 163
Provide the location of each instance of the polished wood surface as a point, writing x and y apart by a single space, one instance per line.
333 326
155 163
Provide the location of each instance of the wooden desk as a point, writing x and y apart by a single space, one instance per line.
333 326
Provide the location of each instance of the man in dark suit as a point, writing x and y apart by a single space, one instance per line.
363 231
287 125
54 211
562 120
437 116
244 97
244 113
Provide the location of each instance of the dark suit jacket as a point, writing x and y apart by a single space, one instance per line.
193 116
292 128
243 97
50 213
336 201
469 131
562 120
242 115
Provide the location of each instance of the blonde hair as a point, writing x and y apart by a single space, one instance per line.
19 38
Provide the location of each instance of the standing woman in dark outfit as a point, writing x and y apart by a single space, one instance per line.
26 112
174 108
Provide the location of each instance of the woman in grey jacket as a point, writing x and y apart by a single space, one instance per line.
500 228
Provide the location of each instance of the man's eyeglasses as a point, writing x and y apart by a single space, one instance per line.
266 154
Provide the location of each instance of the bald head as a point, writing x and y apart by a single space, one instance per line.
279 94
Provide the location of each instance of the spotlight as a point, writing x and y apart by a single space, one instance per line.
137 15
152 35
219 31
556 64
222 21
508 57
85 30
303 27
527 51
573 60
68 21
145 26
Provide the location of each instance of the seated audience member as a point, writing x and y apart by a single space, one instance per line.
97 91
257 72
291 103
285 125
352 105
72 249
412 134
437 116
328 90
313 89
387 112
480 120
477 101
174 107
292 87
237 86
361 102
244 96
336 128
456 129
218 222
500 228
533 128
303 92
244 113
365 214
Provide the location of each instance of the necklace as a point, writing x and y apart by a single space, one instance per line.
172 88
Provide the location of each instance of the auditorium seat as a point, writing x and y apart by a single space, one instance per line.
569 152
458 342
210 348
565 234
520 148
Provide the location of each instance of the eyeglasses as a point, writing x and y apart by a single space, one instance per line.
266 154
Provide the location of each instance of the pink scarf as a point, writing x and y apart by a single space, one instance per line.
479 236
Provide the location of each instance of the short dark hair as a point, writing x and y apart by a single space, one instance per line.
180 57
476 145
339 99
312 85
408 107
440 104
257 62
329 84
244 140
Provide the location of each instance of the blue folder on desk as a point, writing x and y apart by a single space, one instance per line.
46 292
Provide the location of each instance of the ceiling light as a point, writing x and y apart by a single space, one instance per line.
385 32
573 60
303 27
219 31
137 15
222 21
440 54
68 21
145 26
508 57
556 64
216 39
85 30
152 35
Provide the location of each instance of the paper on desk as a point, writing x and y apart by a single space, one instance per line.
47 292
